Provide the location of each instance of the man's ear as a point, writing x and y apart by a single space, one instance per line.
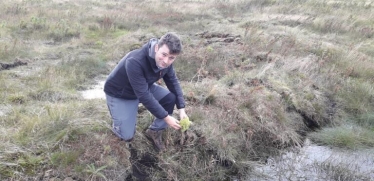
156 47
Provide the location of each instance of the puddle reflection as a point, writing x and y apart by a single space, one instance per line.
97 92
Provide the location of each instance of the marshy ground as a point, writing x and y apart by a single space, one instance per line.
260 78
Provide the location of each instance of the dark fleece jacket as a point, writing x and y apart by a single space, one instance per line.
136 72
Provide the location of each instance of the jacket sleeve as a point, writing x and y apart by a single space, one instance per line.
139 84
172 83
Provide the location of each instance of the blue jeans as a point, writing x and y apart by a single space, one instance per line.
124 112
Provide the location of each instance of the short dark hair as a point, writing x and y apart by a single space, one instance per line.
173 42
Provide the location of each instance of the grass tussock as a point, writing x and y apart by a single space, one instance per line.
341 171
11 49
345 136
357 96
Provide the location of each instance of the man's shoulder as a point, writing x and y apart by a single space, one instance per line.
136 61
137 55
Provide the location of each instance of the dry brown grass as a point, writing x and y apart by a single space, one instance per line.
257 77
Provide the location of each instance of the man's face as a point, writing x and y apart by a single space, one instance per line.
163 57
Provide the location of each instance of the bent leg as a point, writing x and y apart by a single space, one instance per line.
167 101
124 113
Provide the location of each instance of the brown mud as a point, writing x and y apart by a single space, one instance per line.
17 62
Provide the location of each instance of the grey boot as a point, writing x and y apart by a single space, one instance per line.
156 138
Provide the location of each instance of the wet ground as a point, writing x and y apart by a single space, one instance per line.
310 162
17 62
96 92
313 162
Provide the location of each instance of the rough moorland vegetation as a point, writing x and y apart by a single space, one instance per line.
259 76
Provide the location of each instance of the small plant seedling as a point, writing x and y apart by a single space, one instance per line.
185 124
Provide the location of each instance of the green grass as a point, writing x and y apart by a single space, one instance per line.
357 96
366 120
78 73
343 172
45 129
11 49
248 99
345 136
63 159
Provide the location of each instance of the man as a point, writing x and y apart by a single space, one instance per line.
133 81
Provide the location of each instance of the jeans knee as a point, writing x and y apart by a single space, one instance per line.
119 131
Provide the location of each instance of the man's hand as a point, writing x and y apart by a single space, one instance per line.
172 122
182 114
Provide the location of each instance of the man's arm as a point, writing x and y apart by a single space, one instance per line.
141 90
172 83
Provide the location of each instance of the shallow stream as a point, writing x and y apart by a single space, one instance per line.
313 162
